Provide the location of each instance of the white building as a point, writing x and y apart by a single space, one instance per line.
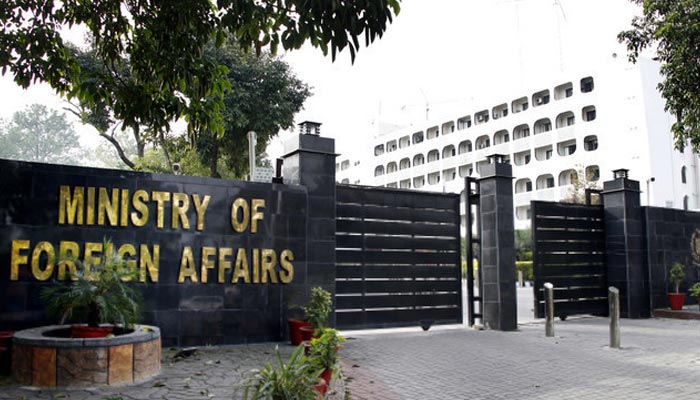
588 123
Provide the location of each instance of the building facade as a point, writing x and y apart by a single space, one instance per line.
559 138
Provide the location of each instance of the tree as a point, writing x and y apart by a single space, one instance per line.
164 43
581 181
37 134
264 97
672 26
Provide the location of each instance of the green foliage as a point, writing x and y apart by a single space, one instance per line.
677 275
526 268
323 352
671 28
160 46
318 308
695 290
523 244
292 380
464 268
41 135
264 97
98 291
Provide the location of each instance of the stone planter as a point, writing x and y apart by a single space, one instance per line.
42 360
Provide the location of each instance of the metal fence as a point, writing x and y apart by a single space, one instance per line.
569 251
398 258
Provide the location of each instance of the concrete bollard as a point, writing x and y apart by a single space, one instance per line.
549 309
521 283
614 308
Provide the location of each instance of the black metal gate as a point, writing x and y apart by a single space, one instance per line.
569 252
398 258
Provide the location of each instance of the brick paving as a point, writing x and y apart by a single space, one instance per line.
659 359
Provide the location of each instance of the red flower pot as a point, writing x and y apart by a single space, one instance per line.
307 332
6 338
326 375
321 388
676 300
88 332
294 330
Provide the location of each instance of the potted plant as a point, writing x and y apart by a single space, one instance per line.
98 293
316 311
677 275
695 292
323 352
293 380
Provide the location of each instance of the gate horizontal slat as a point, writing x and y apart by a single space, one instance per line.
395 243
570 259
575 281
393 257
395 228
396 271
564 246
394 198
393 213
392 318
556 236
554 270
596 307
397 286
352 302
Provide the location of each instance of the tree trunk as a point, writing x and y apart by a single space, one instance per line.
214 160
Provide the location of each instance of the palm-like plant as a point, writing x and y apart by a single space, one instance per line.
98 292
292 380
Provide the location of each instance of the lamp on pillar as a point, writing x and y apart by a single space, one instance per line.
621 173
496 158
310 128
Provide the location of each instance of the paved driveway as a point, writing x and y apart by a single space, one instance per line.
660 359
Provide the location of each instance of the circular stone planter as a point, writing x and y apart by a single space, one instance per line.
41 359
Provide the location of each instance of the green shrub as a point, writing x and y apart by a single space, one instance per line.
318 308
526 268
677 275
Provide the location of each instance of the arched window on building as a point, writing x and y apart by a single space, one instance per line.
683 174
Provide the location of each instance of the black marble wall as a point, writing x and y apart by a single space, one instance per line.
669 233
624 247
497 261
188 313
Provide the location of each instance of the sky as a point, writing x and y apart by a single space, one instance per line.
454 55
444 55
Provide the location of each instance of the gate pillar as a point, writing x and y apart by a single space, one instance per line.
624 245
497 261
309 161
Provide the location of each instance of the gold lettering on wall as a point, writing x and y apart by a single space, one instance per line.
239 225
224 263
140 216
68 252
287 273
268 262
187 268
70 208
207 262
200 207
257 215
108 205
149 263
160 198
241 267
181 203
16 258
42 273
